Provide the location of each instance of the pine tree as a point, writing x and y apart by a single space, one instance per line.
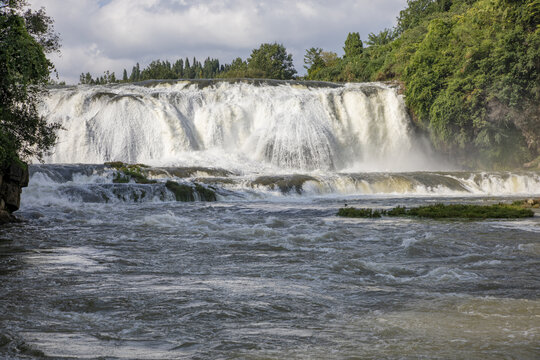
353 45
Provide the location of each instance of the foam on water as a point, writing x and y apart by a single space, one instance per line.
65 184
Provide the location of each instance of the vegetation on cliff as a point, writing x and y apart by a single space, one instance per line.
470 70
25 37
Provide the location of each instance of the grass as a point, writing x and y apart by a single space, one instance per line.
442 211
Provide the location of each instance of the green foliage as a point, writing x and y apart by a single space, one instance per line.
313 60
271 61
359 213
25 37
470 71
237 69
397 211
442 211
353 45
127 172
382 38
495 211
120 178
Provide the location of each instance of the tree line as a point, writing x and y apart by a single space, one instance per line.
268 61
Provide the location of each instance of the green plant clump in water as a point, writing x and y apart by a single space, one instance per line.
442 211
528 203
359 213
495 211
397 211
138 177
119 178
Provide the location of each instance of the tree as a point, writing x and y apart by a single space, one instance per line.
329 58
382 38
353 45
271 61
25 37
313 61
124 76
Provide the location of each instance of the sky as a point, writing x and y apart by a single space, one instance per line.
100 35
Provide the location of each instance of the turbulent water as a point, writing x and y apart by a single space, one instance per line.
101 269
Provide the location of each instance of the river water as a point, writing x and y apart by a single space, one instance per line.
270 275
109 270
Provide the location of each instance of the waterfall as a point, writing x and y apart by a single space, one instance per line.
244 124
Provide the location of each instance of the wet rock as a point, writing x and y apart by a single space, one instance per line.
12 179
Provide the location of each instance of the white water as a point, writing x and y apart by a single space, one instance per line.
243 126
352 139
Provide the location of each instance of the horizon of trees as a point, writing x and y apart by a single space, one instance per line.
270 60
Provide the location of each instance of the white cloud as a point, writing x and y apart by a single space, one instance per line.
99 35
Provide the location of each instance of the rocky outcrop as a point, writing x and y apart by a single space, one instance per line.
12 179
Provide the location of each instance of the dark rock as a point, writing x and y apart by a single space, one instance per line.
6 217
11 194
12 179
17 174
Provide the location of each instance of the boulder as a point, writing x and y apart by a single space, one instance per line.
12 179
11 194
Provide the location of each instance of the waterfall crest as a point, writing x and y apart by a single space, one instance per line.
246 125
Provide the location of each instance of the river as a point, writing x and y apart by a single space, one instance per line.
109 270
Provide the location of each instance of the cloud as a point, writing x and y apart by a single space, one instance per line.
99 35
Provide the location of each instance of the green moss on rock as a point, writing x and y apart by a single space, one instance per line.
127 172
205 194
181 192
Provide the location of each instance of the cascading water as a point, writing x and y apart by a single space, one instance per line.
139 262
244 125
250 138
